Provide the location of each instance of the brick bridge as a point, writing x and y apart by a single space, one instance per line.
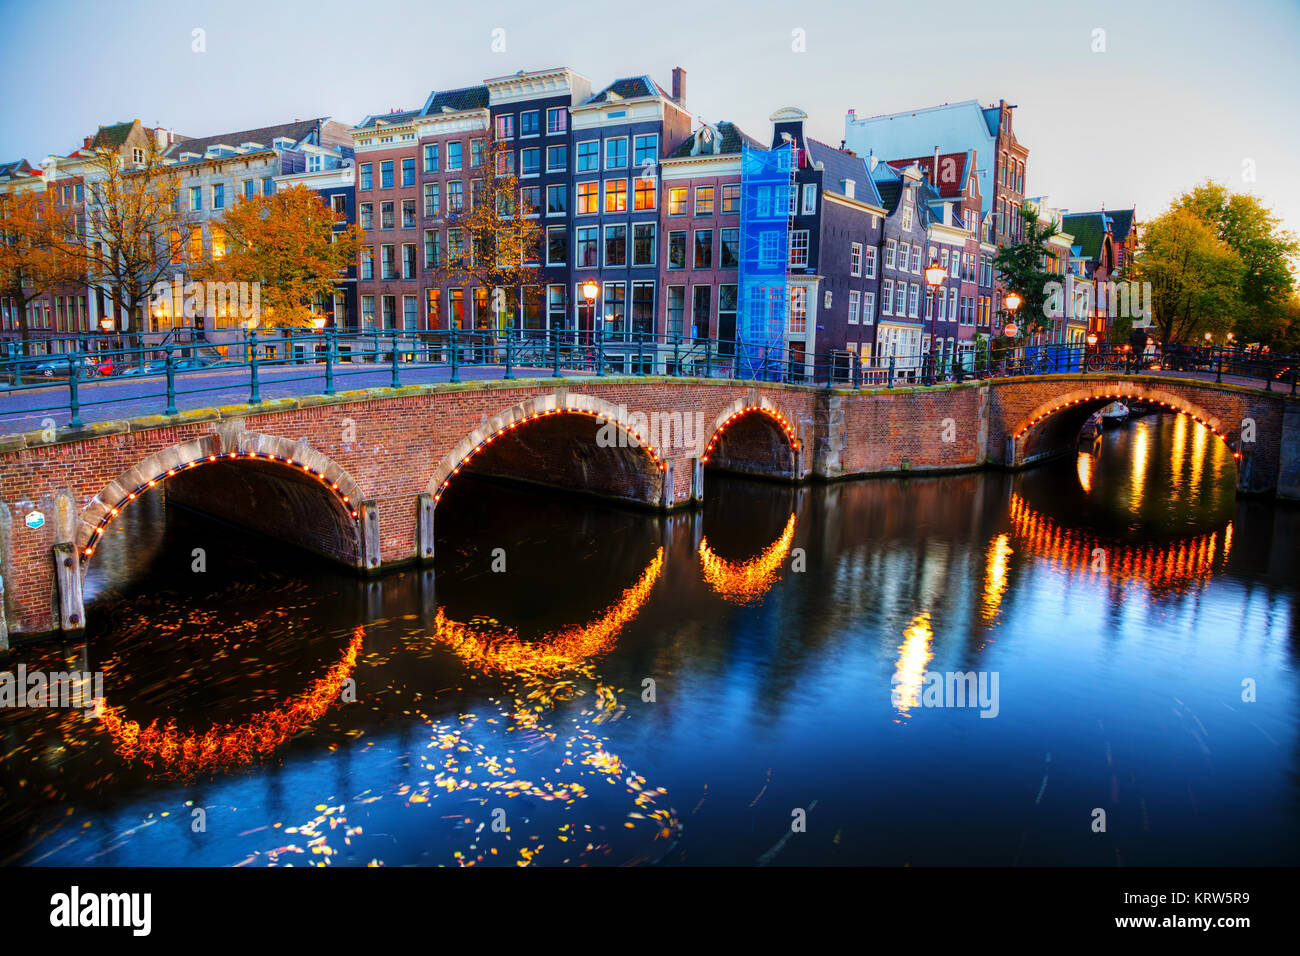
358 476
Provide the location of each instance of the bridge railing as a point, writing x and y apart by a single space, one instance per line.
85 377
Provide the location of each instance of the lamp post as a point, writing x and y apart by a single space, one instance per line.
589 290
934 276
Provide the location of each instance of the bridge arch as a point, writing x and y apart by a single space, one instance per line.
1050 427
283 469
753 436
634 470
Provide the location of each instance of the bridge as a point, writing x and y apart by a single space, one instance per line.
358 475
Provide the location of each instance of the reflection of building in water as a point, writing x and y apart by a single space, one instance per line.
746 582
495 647
1181 562
913 655
995 575
228 745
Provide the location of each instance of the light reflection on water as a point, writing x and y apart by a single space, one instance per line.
523 697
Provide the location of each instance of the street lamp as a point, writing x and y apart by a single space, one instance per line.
934 276
1092 339
589 290
318 322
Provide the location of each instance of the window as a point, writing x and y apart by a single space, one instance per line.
557 120
798 317
643 243
530 123
431 157
506 126
388 262
809 199
588 202
432 252
615 306
904 256
368 310
916 260
855 259
704 200
676 309
913 299
218 195
408 213
455 246
731 197
700 312
410 312
250 189
704 248
367 215
408 260
677 201
530 161
799 248
855 304
870 271
616 152
587 251
530 199
557 200
455 196
368 264
907 218
646 150
456 309
643 307
389 304
891 253
615 195
408 171
729 248
557 245
386 215
588 156
339 204
868 308
900 298
477 148
557 159
887 297
196 198
505 163
432 200
645 193
677 250
455 156
616 245
942 312
367 176
386 174
218 242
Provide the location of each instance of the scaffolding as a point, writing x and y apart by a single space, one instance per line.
767 211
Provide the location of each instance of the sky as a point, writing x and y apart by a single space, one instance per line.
1167 95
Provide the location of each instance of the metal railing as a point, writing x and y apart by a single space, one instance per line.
86 376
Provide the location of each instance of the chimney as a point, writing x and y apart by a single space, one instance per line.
87 142
679 86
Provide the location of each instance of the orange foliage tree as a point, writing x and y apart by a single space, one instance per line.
30 261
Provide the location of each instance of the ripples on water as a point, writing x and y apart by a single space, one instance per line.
639 689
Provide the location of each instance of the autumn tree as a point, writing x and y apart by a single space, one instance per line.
1022 266
492 240
287 243
134 228
30 262
1195 276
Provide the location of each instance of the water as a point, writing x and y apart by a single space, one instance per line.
638 689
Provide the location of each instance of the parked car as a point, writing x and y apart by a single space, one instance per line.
61 365
148 368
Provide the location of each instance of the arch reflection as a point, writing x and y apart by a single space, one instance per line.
745 582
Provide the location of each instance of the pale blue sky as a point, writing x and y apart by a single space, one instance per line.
1185 90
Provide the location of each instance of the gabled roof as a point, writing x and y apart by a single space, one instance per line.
17 167
266 135
839 165
627 88
1088 230
388 119
1121 221
730 134
465 98
112 137
889 184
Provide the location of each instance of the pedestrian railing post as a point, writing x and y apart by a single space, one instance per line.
708 357
454 355
171 382
331 344
397 375
890 382
677 339
555 354
254 393
600 351
510 353
74 401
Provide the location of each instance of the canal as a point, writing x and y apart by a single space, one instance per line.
761 682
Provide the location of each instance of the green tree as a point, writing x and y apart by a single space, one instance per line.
1266 252
1195 276
1023 267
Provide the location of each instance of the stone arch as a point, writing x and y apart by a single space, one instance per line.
1086 399
530 410
178 459
768 461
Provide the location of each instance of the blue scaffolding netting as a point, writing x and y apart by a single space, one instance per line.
764 252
